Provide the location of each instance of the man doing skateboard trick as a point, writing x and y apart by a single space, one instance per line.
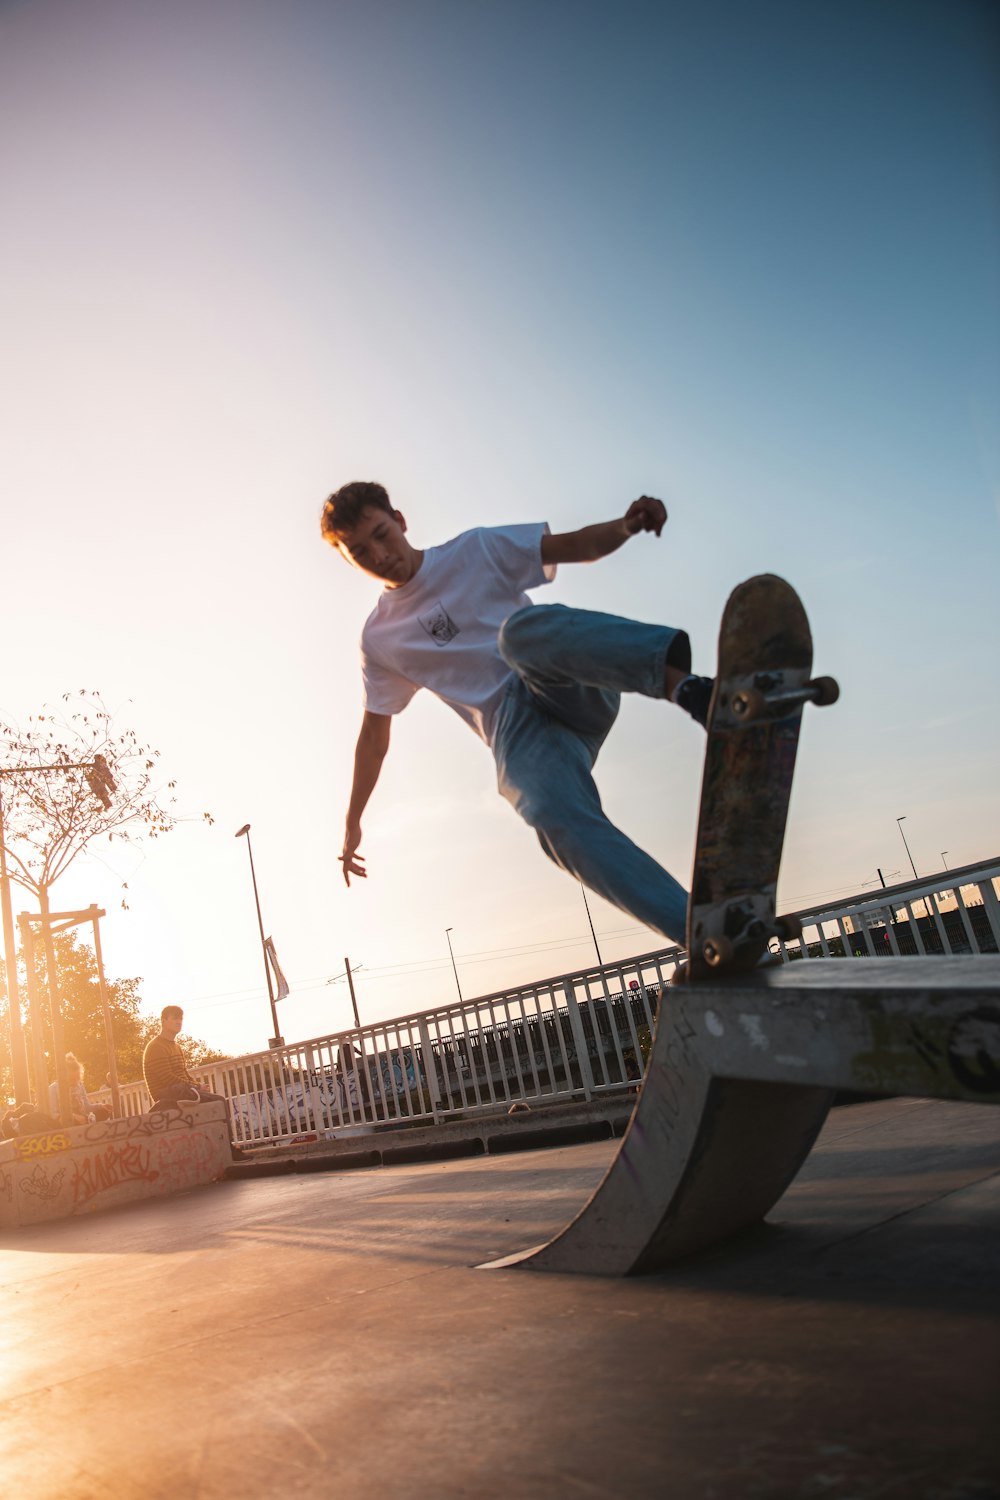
540 684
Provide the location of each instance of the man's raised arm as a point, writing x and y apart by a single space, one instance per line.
593 542
370 752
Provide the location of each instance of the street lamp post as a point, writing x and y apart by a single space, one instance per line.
279 1040
899 825
583 892
447 933
944 858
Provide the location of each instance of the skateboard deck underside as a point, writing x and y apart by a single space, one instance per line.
764 641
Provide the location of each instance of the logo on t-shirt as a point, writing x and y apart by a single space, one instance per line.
439 625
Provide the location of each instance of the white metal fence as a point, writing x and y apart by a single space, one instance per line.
576 1036
957 912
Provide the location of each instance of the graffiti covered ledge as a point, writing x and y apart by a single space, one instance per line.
84 1168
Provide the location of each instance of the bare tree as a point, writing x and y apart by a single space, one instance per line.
76 779
67 779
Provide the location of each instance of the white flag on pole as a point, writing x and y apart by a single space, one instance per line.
279 978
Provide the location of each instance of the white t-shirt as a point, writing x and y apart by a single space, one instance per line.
439 630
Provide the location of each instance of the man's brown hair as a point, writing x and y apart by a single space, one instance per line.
343 509
170 1010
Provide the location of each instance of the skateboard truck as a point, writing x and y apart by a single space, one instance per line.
768 697
748 944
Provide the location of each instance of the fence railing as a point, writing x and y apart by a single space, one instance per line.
575 1036
958 912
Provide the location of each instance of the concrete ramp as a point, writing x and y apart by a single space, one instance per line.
742 1075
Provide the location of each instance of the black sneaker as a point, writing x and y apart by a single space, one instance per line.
694 695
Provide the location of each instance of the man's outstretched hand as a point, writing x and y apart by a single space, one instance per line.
591 543
351 861
645 514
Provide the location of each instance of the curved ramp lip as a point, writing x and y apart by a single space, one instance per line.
742 1075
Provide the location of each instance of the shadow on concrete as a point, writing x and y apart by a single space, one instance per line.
940 1256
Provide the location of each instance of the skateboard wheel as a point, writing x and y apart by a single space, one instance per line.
717 951
788 929
748 704
825 690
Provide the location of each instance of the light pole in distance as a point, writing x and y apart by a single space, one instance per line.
447 933
944 858
899 825
583 893
279 1040
348 974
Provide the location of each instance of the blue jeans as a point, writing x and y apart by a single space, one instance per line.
570 668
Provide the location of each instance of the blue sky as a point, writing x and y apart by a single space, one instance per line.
517 261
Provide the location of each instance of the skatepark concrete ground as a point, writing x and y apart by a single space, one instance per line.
329 1334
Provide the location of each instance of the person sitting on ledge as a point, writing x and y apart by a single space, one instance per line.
164 1069
26 1119
83 1112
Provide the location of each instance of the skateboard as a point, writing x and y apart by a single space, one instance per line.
762 682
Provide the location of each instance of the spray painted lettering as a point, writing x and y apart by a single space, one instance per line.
34 1146
184 1159
107 1168
157 1123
